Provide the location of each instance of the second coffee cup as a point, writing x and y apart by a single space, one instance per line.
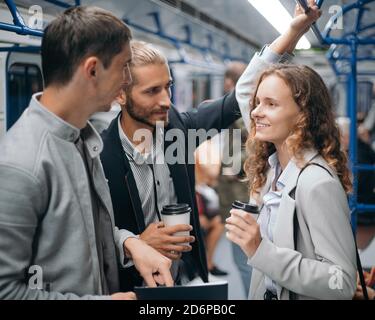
250 208
174 214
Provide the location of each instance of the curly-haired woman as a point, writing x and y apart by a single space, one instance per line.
301 246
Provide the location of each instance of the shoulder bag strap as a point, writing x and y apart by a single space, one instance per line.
295 223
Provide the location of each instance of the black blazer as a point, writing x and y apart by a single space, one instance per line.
127 207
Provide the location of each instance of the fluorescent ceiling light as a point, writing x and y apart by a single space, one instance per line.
276 14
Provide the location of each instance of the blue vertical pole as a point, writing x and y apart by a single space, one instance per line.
353 131
348 97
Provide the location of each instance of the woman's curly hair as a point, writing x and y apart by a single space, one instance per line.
315 127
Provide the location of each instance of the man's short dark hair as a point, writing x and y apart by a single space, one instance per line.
78 33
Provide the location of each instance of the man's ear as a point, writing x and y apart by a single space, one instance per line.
121 98
90 67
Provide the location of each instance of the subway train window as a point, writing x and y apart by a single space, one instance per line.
201 88
24 80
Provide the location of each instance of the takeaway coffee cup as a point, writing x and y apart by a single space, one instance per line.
173 214
250 208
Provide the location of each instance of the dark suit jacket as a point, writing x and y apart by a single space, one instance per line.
127 207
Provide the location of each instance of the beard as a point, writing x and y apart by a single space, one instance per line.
140 117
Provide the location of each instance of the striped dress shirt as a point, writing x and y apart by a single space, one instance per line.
152 178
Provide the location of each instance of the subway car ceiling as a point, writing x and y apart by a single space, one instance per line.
166 22
233 30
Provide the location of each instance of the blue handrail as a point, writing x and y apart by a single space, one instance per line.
360 4
19 25
324 37
18 48
178 43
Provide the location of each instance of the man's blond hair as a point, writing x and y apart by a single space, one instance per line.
144 54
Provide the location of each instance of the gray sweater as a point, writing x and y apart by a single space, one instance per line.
48 246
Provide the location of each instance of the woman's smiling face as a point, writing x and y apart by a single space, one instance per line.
276 112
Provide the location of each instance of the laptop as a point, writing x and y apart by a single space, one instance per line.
204 291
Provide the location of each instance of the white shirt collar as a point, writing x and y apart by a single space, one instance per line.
287 174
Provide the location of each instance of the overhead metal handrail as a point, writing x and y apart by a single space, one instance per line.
177 43
18 25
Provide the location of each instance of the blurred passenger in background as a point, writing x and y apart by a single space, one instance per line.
232 73
207 169
369 277
231 185
366 128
